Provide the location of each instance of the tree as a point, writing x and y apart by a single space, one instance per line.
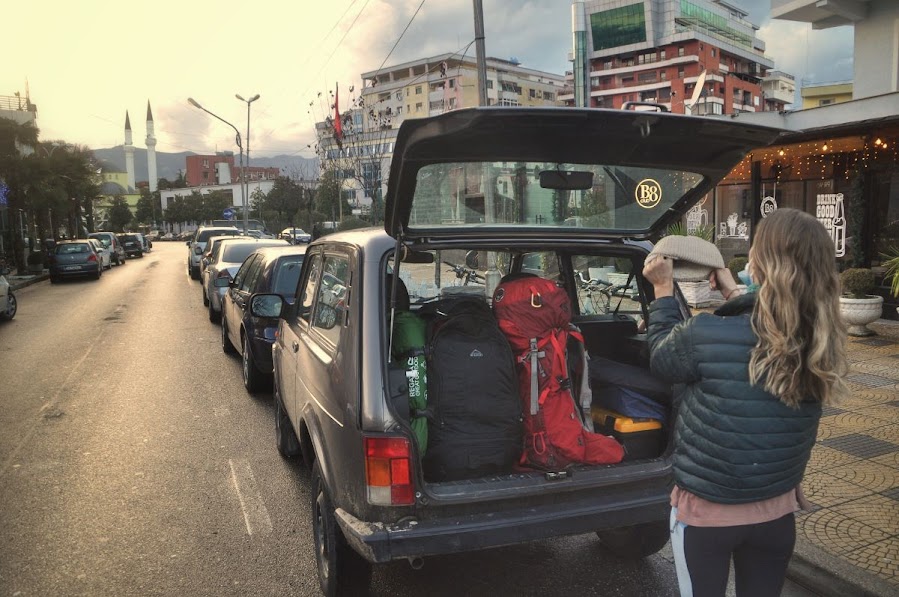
285 199
14 137
119 214
149 207
329 198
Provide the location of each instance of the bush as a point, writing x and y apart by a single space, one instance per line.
737 265
352 222
892 270
858 282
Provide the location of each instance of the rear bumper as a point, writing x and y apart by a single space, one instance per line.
83 270
383 542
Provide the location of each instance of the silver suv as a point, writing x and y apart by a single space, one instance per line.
197 246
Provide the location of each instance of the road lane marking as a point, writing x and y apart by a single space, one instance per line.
255 515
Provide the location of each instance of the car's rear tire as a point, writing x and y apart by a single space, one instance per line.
285 437
227 347
341 571
11 306
635 542
205 296
214 316
98 274
254 380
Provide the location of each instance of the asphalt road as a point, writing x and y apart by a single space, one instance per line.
132 462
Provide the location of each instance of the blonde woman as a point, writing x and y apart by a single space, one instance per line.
754 377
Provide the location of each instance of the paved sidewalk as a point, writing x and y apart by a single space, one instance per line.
849 543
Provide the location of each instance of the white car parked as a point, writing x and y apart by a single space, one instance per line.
103 253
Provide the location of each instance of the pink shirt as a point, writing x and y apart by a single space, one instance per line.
692 510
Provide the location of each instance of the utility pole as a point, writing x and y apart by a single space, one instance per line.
480 51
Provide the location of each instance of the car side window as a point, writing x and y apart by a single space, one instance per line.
249 284
332 300
309 282
242 273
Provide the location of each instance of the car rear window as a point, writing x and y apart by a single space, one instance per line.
205 235
72 249
236 253
287 275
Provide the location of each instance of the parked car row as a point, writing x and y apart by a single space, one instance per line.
233 269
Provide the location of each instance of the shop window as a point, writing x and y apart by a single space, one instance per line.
733 219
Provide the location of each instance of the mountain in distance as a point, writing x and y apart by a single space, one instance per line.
168 164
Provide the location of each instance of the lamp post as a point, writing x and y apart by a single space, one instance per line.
194 103
243 174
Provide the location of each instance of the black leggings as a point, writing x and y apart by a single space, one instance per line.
761 553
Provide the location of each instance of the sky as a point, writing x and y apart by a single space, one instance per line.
87 62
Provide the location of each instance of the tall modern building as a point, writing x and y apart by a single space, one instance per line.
655 50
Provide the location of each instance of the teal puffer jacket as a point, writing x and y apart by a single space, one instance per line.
734 442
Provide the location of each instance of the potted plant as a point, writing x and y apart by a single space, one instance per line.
36 262
857 305
891 274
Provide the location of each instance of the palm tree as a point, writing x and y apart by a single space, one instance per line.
16 139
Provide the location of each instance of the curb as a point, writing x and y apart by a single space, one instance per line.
830 576
24 283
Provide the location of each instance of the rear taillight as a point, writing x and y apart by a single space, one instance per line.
388 471
92 257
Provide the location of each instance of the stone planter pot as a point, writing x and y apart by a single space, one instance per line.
35 268
858 313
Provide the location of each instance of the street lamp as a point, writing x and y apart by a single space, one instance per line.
243 174
194 103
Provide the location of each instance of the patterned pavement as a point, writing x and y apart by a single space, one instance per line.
853 476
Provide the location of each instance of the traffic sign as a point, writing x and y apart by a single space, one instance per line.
228 214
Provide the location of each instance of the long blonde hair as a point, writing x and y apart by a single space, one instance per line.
801 351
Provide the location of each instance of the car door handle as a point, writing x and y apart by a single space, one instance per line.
296 346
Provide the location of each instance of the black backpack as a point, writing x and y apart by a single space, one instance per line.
474 413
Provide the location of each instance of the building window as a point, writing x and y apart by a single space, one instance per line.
407 92
452 103
452 83
628 80
418 90
511 87
532 93
607 65
713 52
489 84
205 163
618 27
399 110
663 54
680 50
408 107
418 107
594 81
649 77
680 72
549 96
399 96
436 106
663 75
509 102
824 102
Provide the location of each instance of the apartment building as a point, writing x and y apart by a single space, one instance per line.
655 50
417 89
219 169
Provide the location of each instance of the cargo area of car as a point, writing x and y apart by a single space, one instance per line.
608 308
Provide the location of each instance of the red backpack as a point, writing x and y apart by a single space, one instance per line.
535 315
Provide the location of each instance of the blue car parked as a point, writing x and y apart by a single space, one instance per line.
268 270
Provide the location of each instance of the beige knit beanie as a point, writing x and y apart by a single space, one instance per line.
694 258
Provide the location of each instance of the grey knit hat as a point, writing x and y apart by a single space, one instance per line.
694 258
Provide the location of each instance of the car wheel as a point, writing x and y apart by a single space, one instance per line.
341 571
635 542
193 273
11 306
285 437
227 347
54 280
254 380
205 296
214 317
98 274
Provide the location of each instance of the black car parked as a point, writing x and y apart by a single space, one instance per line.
73 258
134 245
268 270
